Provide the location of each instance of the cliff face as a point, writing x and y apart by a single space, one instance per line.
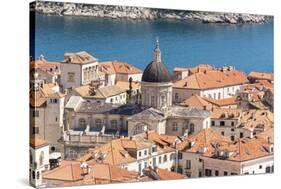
124 12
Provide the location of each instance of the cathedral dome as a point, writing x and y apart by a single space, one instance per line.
156 71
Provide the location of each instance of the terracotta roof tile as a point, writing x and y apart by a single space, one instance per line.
212 79
125 85
197 102
203 142
117 67
102 92
247 149
222 102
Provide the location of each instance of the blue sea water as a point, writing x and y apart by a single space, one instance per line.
183 44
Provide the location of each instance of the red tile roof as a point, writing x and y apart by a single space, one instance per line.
117 67
212 79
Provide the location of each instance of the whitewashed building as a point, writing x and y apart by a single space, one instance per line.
38 159
243 157
193 147
216 84
119 71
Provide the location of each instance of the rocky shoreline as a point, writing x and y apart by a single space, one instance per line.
124 12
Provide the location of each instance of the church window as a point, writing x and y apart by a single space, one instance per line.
82 123
114 124
98 123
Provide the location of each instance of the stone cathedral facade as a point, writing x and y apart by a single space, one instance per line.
94 123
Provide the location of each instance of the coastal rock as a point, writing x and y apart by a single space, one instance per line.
123 12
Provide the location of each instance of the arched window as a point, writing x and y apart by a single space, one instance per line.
41 159
82 123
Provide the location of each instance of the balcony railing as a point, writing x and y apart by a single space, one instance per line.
87 139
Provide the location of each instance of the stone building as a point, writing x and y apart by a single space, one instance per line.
237 124
243 157
208 153
79 68
46 114
115 71
108 94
